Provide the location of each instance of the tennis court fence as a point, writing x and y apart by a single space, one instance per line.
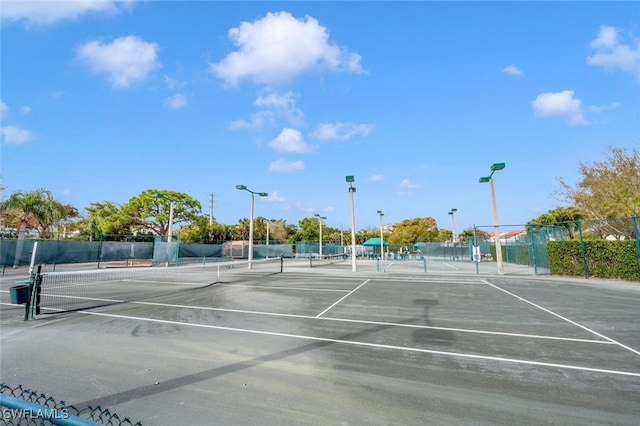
21 406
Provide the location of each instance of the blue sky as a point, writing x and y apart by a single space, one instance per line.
101 100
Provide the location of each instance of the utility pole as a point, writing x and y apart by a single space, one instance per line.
211 208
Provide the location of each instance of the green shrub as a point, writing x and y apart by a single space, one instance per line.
603 258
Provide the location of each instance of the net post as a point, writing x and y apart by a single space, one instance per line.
281 264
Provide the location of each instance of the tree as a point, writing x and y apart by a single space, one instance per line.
561 216
105 218
414 230
200 230
445 235
33 210
608 189
278 230
470 233
308 230
152 209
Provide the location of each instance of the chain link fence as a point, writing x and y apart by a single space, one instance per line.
520 244
22 406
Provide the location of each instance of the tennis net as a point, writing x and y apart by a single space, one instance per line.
56 292
326 260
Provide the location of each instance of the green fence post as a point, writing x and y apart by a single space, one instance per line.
582 252
100 250
533 253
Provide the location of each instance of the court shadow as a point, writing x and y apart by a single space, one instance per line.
431 334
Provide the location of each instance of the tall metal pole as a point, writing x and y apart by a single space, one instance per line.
354 268
211 209
250 254
170 231
381 237
262 194
320 219
453 225
496 230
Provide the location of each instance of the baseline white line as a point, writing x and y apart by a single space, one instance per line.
390 324
563 318
341 299
371 345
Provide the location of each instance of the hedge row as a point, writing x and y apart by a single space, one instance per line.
604 259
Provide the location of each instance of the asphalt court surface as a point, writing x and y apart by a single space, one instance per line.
332 346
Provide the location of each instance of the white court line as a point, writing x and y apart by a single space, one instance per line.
341 299
390 324
371 345
563 318
451 266
389 266
285 288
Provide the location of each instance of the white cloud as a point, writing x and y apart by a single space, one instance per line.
4 110
126 60
341 131
406 183
176 101
284 166
174 84
13 135
612 54
597 109
278 47
559 104
24 109
512 70
283 105
48 12
259 119
274 197
377 178
290 140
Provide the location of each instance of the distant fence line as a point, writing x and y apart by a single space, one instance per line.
524 245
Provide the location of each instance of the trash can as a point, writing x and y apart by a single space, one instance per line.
20 294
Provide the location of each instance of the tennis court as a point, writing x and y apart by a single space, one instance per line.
325 345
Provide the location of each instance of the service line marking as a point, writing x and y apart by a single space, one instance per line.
372 345
341 299
563 318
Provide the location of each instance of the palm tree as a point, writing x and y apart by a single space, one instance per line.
34 209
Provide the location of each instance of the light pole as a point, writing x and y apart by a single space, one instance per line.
352 189
381 238
496 232
261 194
453 226
453 232
170 231
320 219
